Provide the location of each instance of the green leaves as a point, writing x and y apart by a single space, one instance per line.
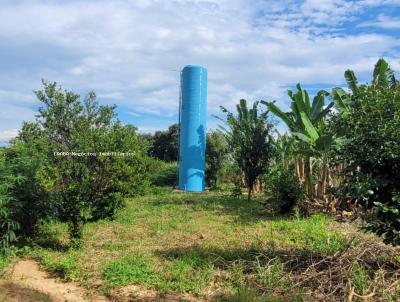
341 99
248 135
383 76
351 80
368 124
285 117
305 118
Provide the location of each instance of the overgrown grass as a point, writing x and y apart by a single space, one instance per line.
192 243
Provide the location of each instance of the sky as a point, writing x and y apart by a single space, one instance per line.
131 52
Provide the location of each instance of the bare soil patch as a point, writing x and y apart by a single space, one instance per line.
27 281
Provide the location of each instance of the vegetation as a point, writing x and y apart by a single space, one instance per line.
77 177
306 122
284 189
216 157
164 174
8 225
215 247
249 137
165 144
61 165
368 126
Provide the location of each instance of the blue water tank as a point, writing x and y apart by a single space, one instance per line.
192 133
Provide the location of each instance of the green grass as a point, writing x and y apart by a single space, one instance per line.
189 272
130 269
3 262
65 265
359 278
190 243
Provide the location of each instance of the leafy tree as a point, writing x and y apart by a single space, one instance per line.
216 153
86 182
369 133
165 144
8 225
25 161
383 77
249 137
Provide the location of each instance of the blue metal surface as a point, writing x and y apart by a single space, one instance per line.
192 135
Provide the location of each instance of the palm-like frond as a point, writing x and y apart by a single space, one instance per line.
383 76
351 81
340 98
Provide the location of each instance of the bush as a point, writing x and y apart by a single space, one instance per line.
370 135
25 161
8 225
284 189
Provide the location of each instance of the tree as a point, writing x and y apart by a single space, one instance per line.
216 153
249 137
368 129
382 77
306 122
166 144
25 161
8 225
92 158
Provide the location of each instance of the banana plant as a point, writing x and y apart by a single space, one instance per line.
306 123
382 76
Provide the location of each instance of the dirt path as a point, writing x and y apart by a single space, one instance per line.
27 273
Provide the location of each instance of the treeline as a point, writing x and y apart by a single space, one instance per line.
342 152
39 183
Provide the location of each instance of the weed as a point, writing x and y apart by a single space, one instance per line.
3 262
359 278
136 268
271 274
189 272
64 265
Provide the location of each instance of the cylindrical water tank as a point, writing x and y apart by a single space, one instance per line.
192 133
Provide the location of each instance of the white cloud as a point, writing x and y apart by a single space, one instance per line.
383 22
134 114
131 52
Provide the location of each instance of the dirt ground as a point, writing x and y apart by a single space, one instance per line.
25 282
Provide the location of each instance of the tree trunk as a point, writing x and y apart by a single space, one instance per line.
322 183
300 169
249 193
308 177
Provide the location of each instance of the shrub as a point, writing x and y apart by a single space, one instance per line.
370 135
8 225
25 161
284 189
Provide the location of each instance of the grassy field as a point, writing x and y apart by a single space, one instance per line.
203 247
